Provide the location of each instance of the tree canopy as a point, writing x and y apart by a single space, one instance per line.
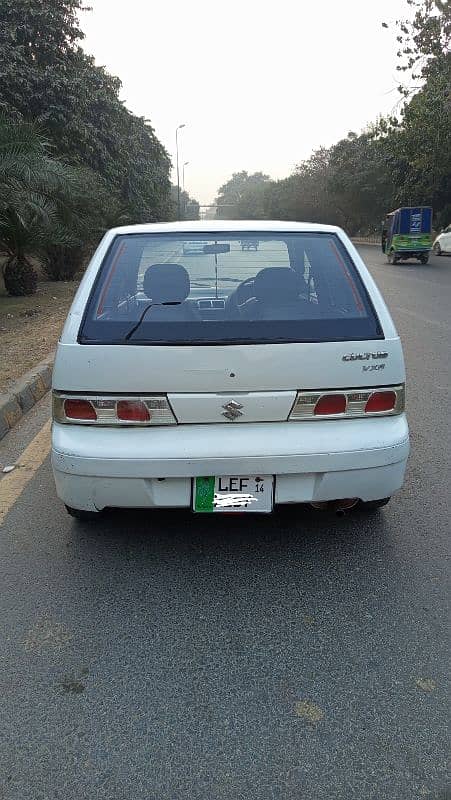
46 206
47 78
242 195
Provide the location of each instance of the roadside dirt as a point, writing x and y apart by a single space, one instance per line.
30 327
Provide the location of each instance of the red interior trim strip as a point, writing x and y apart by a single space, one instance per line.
109 279
360 307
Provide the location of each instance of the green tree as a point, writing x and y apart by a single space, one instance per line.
233 193
40 207
420 138
424 43
360 181
420 149
92 210
189 207
46 77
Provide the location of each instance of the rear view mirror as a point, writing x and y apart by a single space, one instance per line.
216 248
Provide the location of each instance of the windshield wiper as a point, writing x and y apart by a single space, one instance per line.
147 308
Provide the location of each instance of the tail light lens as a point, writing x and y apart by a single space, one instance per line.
330 404
349 403
132 411
112 410
78 409
380 401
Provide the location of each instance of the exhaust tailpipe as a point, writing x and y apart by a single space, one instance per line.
339 506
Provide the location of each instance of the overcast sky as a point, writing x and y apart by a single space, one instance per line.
259 84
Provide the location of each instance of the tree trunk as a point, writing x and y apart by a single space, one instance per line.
19 276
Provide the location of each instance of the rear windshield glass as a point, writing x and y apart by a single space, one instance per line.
228 289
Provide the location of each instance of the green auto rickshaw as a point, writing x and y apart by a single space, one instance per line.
407 233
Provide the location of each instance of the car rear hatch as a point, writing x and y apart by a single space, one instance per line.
228 337
228 384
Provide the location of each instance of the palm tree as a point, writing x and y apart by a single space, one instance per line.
35 209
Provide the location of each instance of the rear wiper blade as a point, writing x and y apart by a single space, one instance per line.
147 308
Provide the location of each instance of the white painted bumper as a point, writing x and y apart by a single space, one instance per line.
312 461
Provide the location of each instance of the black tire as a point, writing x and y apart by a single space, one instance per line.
437 249
372 505
424 259
391 258
83 516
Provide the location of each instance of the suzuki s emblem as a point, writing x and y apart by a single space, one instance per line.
232 410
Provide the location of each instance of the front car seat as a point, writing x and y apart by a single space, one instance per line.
169 283
276 295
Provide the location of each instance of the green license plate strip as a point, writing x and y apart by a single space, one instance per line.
250 493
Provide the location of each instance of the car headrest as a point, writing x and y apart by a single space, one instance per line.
166 283
276 284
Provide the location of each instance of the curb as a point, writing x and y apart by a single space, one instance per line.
24 394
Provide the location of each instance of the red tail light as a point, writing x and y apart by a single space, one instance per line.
331 404
349 403
132 411
79 409
380 401
112 410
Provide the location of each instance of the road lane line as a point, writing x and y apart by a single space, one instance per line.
13 484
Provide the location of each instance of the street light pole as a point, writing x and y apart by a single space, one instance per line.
178 171
183 175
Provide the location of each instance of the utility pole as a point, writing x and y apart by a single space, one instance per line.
183 125
183 175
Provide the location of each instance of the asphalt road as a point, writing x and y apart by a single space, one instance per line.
163 657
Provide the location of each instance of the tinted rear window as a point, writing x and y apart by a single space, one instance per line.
228 289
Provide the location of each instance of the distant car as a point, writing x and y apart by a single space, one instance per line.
249 244
442 244
192 248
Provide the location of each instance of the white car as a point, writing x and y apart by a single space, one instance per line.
442 243
193 247
228 385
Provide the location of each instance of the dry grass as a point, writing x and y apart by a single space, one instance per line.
30 327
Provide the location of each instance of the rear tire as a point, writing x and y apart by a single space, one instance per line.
391 258
370 506
437 249
424 259
83 516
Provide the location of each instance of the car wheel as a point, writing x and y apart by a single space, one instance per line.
372 505
424 259
391 257
83 516
437 249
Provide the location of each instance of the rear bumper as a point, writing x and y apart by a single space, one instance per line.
419 251
312 461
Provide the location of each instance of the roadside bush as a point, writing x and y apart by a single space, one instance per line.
61 263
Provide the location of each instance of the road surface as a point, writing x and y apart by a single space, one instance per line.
160 656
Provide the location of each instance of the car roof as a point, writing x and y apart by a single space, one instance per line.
216 226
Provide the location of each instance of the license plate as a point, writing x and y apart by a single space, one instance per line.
234 493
